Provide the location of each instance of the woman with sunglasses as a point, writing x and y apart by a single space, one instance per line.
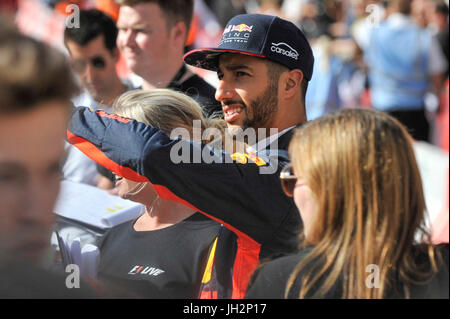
355 181
163 253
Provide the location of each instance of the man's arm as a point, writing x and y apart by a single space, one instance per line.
236 194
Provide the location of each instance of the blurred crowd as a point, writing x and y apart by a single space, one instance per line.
339 32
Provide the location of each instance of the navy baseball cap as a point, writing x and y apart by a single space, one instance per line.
262 36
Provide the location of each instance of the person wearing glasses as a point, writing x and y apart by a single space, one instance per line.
356 184
164 252
263 64
93 56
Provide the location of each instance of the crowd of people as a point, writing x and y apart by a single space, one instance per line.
297 171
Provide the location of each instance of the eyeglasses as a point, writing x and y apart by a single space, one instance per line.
80 65
288 180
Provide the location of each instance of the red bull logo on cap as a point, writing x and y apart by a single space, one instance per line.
240 28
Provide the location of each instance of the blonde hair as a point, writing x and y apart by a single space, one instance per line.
361 167
166 110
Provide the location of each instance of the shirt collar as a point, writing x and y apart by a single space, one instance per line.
263 144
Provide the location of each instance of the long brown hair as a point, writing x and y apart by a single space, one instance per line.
361 167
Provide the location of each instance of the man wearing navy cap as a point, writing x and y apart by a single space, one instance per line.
264 64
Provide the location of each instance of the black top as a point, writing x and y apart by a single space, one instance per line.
163 263
245 196
269 281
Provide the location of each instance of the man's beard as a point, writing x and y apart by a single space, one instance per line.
263 108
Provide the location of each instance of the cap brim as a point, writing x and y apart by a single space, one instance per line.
209 58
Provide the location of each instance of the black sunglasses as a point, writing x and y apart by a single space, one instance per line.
117 177
80 65
288 180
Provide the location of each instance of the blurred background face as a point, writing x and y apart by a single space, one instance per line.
31 147
143 37
95 65
422 12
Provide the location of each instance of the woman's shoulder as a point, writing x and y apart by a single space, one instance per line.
437 286
271 278
440 253
428 277
198 221
116 233
285 263
443 249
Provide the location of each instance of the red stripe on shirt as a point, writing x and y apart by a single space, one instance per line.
99 157
247 255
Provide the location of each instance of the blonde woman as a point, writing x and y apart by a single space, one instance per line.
163 253
355 181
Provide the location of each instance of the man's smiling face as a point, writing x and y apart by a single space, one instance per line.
248 96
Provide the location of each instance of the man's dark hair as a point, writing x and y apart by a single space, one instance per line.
274 71
31 72
93 23
175 10
304 88
442 8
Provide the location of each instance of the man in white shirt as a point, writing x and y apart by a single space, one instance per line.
94 55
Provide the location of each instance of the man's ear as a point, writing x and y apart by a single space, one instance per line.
292 81
179 32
